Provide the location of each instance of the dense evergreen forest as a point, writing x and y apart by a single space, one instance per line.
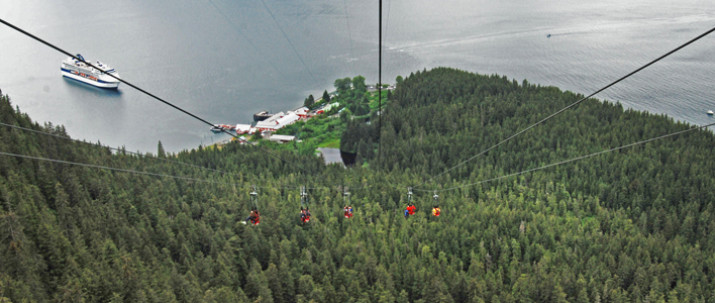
629 226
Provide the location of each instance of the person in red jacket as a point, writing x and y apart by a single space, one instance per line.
254 217
304 215
348 211
410 210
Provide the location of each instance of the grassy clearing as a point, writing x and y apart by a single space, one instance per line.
327 129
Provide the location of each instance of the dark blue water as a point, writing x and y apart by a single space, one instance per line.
224 60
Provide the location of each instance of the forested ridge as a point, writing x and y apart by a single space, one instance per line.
629 226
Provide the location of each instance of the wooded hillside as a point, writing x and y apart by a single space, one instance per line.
633 225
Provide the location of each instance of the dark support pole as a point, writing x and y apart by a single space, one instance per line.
379 89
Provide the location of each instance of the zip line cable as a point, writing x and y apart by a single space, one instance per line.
289 41
131 171
121 80
152 157
110 75
124 170
350 34
575 158
387 18
254 196
571 105
303 188
243 34
387 21
379 86
119 150
379 76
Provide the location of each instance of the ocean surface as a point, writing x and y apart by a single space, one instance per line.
223 60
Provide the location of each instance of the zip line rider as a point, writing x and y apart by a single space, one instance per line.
410 210
436 211
304 212
254 217
304 215
348 211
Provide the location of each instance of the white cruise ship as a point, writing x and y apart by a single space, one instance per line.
77 70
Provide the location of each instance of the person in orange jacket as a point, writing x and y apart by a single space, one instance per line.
436 211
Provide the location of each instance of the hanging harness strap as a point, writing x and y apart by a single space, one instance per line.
409 196
435 210
410 210
254 197
255 216
304 212
346 201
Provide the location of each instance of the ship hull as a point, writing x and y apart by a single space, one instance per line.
98 82
257 117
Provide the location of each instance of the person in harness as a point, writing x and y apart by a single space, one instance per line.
348 210
254 217
304 215
410 210
436 211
